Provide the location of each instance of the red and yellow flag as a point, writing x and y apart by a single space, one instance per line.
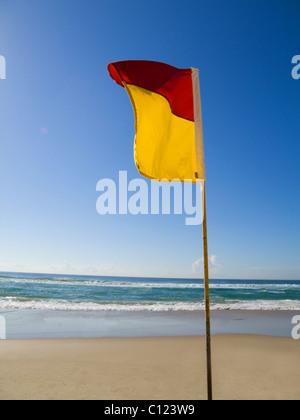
167 108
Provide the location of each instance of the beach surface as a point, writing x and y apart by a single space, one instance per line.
37 324
152 368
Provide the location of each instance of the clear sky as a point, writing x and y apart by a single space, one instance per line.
65 124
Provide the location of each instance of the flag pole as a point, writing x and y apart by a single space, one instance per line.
200 175
207 301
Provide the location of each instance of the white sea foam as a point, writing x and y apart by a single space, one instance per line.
105 283
64 305
153 285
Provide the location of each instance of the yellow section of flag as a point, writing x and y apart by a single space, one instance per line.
164 143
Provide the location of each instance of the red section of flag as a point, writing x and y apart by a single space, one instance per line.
172 83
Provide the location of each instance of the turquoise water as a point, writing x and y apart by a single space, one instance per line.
92 293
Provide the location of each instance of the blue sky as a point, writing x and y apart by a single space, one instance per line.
64 124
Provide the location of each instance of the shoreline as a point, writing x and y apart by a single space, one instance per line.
36 324
245 367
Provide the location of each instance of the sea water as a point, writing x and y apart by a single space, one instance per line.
21 291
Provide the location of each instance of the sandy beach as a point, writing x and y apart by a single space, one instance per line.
244 367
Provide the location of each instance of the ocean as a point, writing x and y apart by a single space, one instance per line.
20 291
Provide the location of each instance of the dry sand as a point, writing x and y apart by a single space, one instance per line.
244 367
